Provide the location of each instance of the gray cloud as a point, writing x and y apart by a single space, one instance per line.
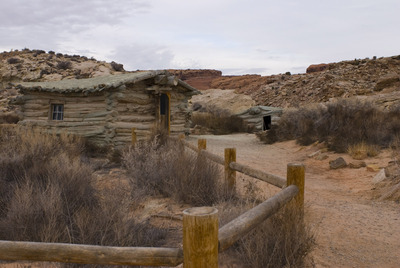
50 13
143 56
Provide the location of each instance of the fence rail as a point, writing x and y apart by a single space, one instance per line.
88 254
243 224
200 247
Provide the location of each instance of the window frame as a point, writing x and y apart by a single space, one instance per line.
57 114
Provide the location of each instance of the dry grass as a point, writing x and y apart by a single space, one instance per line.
362 151
168 170
48 194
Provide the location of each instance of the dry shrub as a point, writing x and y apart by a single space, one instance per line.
9 118
168 170
117 66
64 65
48 194
219 121
340 124
360 151
283 240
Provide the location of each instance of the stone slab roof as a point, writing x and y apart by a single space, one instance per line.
95 84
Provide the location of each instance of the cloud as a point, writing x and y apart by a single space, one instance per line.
143 56
70 13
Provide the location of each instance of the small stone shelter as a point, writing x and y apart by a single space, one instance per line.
105 109
260 118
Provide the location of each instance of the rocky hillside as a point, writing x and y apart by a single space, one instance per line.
367 77
38 65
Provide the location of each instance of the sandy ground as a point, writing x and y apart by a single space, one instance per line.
352 229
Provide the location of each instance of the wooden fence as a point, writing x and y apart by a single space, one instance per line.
202 240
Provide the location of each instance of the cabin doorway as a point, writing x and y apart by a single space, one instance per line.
164 111
267 122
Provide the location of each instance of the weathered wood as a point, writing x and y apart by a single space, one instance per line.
200 237
161 79
137 118
35 113
87 254
190 146
270 178
173 81
213 157
134 138
296 176
230 174
202 144
237 228
142 125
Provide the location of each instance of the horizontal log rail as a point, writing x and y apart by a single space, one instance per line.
88 254
247 170
237 228
216 158
270 178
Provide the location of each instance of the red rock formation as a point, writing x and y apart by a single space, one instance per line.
317 68
200 79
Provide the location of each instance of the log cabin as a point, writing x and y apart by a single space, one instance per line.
106 109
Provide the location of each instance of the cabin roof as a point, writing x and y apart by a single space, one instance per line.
96 84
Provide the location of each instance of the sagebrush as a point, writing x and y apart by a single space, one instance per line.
340 124
285 239
48 195
167 169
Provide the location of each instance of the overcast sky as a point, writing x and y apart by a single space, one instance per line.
235 36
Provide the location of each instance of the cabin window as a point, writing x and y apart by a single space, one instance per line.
57 111
267 122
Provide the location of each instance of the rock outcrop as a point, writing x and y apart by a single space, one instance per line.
379 78
37 65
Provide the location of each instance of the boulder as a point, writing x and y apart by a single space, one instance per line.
337 163
380 176
357 164
373 168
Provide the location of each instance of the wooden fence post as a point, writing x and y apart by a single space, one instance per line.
202 144
296 176
200 237
134 136
230 174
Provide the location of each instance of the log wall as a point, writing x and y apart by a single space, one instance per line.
107 117
180 114
135 108
83 115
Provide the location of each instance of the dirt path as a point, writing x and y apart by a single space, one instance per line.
352 229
